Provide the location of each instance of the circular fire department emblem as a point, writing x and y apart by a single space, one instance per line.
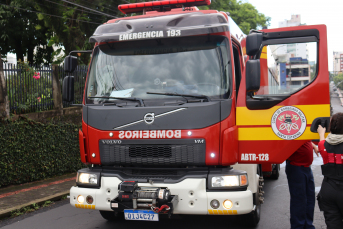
288 122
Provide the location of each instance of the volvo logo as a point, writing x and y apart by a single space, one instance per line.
149 118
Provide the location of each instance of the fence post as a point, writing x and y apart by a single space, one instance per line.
4 106
56 89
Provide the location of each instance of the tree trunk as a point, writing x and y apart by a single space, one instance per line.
19 51
56 89
4 106
30 55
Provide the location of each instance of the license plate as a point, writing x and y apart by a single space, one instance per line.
146 215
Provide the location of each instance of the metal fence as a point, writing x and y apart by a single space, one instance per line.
27 93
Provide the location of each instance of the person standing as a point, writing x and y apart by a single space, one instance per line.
330 197
301 186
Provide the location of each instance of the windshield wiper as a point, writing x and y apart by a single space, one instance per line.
183 95
122 98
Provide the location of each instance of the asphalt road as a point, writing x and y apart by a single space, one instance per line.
274 215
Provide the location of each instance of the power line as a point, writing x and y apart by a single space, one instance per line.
116 11
83 11
89 9
68 7
33 11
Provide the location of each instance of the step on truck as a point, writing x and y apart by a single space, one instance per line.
183 112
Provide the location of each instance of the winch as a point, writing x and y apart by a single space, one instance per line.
131 196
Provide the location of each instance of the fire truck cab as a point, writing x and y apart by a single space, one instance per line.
182 111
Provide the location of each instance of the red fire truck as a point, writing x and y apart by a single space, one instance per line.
183 112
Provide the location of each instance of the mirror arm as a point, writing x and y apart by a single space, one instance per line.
251 95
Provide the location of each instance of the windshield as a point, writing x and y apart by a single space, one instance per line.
190 65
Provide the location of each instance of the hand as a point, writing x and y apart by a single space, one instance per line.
321 131
315 149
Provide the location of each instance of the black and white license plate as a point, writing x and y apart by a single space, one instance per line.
147 215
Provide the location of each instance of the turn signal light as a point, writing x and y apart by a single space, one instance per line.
244 180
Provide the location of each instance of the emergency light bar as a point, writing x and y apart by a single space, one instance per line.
165 5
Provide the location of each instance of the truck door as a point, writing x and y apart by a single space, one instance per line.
275 119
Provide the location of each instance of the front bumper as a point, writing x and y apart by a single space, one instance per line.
192 194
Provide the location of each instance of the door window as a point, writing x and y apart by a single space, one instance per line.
286 68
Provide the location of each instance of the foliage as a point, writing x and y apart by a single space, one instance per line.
26 91
30 208
313 71
76 25
243 13
338 79
22 32
34 151
67 26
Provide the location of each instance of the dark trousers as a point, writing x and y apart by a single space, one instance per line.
330 200
301 189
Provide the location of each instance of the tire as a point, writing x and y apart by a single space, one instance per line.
276 172
112 216
252 219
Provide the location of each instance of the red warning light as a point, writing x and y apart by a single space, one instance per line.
165 5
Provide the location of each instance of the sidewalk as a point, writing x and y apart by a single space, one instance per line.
19 196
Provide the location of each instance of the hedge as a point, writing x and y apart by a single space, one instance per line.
32 151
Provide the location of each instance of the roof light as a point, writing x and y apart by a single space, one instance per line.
164 5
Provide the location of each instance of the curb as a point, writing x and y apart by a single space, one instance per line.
57 196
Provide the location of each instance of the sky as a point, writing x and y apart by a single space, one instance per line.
313 12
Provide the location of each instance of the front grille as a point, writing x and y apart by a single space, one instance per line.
159 172
150 151
137 152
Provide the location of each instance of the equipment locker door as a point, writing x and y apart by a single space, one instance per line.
275 119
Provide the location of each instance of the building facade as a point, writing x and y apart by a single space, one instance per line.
292 60
337 62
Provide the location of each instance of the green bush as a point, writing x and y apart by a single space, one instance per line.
28 94
32 151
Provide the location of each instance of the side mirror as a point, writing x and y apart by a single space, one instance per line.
252 75
253 43
68 89
70 63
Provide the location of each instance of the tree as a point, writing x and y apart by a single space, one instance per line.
76 24
63 24
313 71
19 33
338 79
244 14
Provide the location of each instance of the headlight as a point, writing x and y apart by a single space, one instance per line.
229 181
87 178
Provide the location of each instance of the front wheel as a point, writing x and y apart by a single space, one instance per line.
251 219
112 216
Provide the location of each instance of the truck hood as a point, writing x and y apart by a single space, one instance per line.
187 116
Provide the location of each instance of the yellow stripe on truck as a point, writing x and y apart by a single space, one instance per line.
246 117
266 133
263 56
